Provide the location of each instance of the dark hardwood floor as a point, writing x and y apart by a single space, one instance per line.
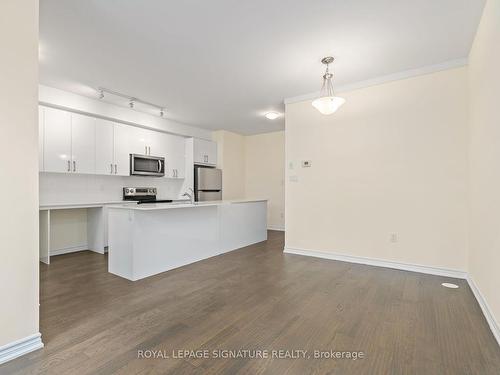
256 298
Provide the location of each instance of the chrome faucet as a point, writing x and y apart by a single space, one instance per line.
189 195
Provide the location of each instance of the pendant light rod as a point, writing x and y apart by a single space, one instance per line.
130 99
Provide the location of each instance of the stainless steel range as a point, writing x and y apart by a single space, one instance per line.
142 195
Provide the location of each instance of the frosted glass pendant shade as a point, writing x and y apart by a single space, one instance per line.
327 105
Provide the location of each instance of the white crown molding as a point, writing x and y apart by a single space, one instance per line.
451 64
488 314
378 262
20 347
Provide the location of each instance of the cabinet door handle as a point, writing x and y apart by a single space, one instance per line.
145 150
149 150
74 166
111 168
69 166
115 169
175 172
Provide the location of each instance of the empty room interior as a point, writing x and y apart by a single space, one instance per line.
250 187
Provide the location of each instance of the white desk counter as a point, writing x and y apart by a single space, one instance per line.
96 226
148 239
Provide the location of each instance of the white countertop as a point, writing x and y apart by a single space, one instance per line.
168 206
133 205
62 206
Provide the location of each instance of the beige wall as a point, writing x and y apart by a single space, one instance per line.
391 160
68 229
265 173
484 74
253 167
231 159
19 214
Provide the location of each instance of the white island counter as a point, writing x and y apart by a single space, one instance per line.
151 238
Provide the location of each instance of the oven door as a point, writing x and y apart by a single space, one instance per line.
145 165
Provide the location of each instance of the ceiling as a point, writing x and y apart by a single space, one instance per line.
222 64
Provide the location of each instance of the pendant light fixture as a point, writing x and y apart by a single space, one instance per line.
327 103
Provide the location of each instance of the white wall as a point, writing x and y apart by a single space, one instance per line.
484 79
393 159
265 173
68 229
19 186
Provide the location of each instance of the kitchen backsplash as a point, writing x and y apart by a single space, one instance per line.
80 188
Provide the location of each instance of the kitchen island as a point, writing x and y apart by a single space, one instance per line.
148 239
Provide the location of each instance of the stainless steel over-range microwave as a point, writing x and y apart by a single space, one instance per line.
146 165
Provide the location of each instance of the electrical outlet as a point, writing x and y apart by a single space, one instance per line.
306 163
393 237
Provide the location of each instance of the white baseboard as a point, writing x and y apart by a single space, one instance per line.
67 250
490 318
276 227
379 263
20 347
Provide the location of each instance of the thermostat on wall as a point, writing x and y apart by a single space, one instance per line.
306 163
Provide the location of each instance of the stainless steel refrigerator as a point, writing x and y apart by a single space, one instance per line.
207 184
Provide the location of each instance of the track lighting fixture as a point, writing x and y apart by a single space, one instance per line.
131 100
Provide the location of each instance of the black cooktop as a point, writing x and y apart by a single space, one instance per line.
155 201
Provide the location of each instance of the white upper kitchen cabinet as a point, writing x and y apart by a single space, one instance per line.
176 157
68 142
104 147
157 143
205 152
40 138
139 140
57 144
83 143
124 138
